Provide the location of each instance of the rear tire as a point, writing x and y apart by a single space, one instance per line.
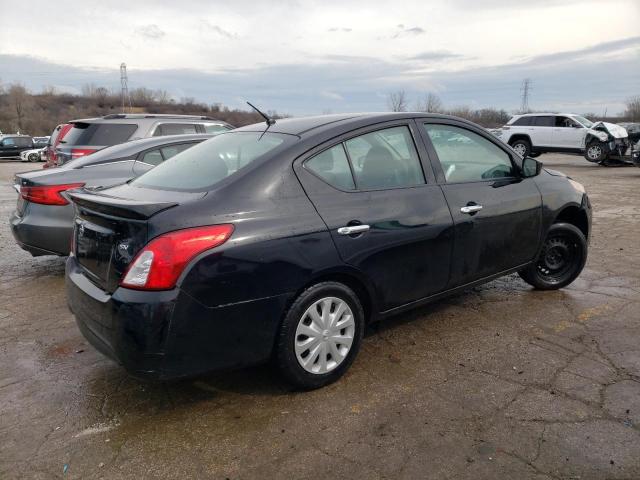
320 336
561 259
522 147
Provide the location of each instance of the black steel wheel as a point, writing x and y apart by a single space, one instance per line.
561 258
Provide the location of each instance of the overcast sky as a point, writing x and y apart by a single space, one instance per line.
305 57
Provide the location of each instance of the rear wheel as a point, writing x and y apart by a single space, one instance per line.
522 147
320 335
561 259
33 157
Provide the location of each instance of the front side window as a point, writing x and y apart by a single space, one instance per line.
565 122
385 159
332 166
466 156
204 165
584 121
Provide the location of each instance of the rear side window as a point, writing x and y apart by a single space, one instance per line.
152 157
204 165
543 121
385 159
332 166
175 129
172 150
523 122
213 128
100 134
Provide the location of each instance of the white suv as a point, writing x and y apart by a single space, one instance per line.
535 133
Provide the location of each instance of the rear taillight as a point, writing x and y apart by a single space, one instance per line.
81 152
48 194
158 265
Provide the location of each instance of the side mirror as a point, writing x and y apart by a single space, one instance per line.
531 167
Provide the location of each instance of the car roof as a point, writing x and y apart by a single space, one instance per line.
147 117
539 114
133 147
301 126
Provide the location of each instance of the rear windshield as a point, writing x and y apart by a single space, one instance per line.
99 134
206 164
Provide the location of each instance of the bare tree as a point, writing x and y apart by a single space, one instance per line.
397 101
633 109
18 100
430 103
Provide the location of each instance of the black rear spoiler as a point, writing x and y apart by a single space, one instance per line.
118 207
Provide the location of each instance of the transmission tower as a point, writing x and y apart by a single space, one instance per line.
126 100
525 89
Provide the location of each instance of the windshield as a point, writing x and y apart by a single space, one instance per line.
587 123
206 164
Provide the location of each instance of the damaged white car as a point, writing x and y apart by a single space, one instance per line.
535 133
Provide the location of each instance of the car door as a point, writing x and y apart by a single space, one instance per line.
542 131
386 218
567 133
496 212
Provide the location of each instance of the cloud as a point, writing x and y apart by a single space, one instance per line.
436 56
331 95
151 31
340 29
216 29
591 78
403 31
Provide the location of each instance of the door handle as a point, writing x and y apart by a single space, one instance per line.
353 229
470 209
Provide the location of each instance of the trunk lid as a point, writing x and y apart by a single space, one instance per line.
110 229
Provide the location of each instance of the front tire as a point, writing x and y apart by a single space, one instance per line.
561 259
595 153
522 147
33 157
320 335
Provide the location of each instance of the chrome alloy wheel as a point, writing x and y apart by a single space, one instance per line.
324 335
520 149
594 152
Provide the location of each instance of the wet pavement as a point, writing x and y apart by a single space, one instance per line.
499 382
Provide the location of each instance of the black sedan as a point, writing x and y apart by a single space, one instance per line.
283 240
43 219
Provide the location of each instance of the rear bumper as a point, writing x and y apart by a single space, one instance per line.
43 230
168 334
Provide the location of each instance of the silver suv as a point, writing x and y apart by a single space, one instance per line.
92 134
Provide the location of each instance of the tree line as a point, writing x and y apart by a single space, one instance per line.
38 114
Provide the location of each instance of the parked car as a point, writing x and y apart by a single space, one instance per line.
33 155
50 156
284 242
43 220
11 146
92 134
535 133
40 142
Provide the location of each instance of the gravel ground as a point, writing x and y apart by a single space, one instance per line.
499 382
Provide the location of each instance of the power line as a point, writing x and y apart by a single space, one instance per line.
126 99
525 89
